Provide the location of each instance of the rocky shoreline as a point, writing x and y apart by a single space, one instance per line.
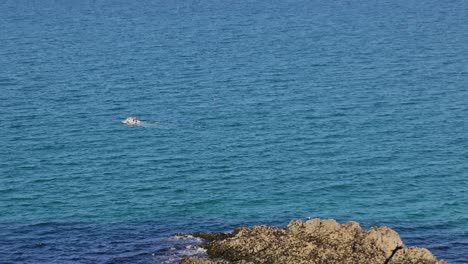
320 241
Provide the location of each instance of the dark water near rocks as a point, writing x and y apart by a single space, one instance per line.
268 111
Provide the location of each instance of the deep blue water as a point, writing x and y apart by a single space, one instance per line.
267 111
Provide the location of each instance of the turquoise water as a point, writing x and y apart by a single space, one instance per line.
267 111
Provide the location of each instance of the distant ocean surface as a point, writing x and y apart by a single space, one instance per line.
267 111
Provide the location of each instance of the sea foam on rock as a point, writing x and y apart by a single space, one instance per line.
320 241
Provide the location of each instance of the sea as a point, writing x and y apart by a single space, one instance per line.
254 112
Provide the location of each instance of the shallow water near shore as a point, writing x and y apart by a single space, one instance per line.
266 111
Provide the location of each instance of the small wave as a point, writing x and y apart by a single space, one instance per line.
191 250
185 237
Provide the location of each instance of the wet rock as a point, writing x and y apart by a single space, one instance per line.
320 241
212 236
132 121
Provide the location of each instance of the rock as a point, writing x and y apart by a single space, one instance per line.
132 121
192 260
319 241
413 255
212 236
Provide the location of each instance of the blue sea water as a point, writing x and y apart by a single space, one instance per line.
267 111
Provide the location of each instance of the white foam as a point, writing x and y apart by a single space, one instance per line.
184 237
192 250
134 121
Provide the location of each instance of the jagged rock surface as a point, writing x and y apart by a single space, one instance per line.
314 241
